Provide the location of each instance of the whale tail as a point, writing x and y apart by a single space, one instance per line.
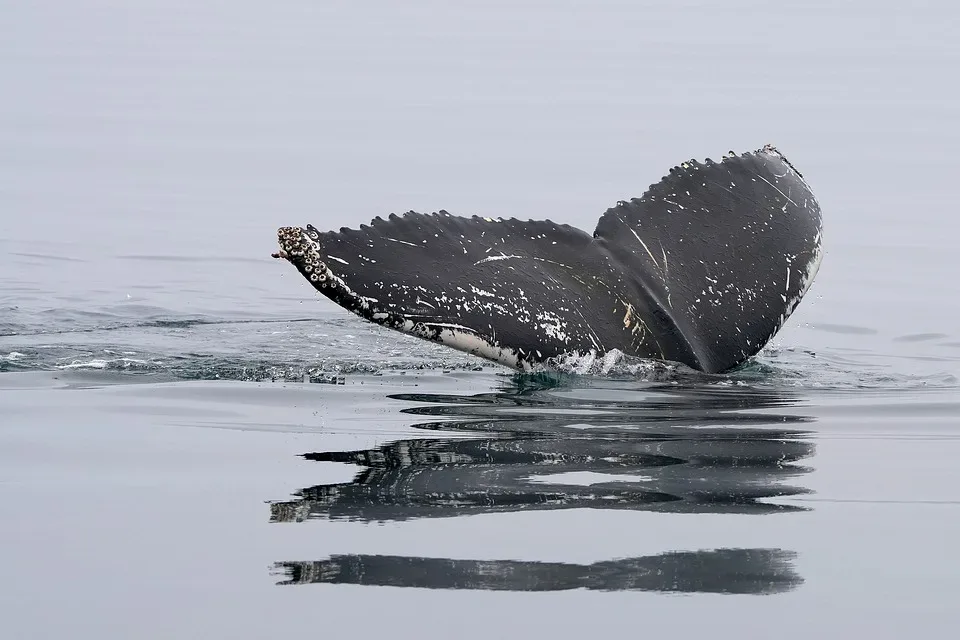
703 269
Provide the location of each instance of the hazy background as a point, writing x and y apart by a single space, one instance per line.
196 128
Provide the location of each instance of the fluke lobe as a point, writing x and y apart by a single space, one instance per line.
703 269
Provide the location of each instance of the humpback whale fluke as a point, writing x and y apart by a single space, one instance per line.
703 269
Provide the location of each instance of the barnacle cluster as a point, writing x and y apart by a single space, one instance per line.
302 248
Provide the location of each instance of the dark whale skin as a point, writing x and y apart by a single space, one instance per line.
703 269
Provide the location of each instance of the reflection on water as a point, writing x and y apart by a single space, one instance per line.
664 448
757 571
538 444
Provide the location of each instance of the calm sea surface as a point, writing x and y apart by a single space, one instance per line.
195 445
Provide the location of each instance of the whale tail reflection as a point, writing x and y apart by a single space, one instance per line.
667 449
731 571
455 477
660 448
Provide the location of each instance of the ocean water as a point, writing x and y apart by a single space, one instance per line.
194 444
